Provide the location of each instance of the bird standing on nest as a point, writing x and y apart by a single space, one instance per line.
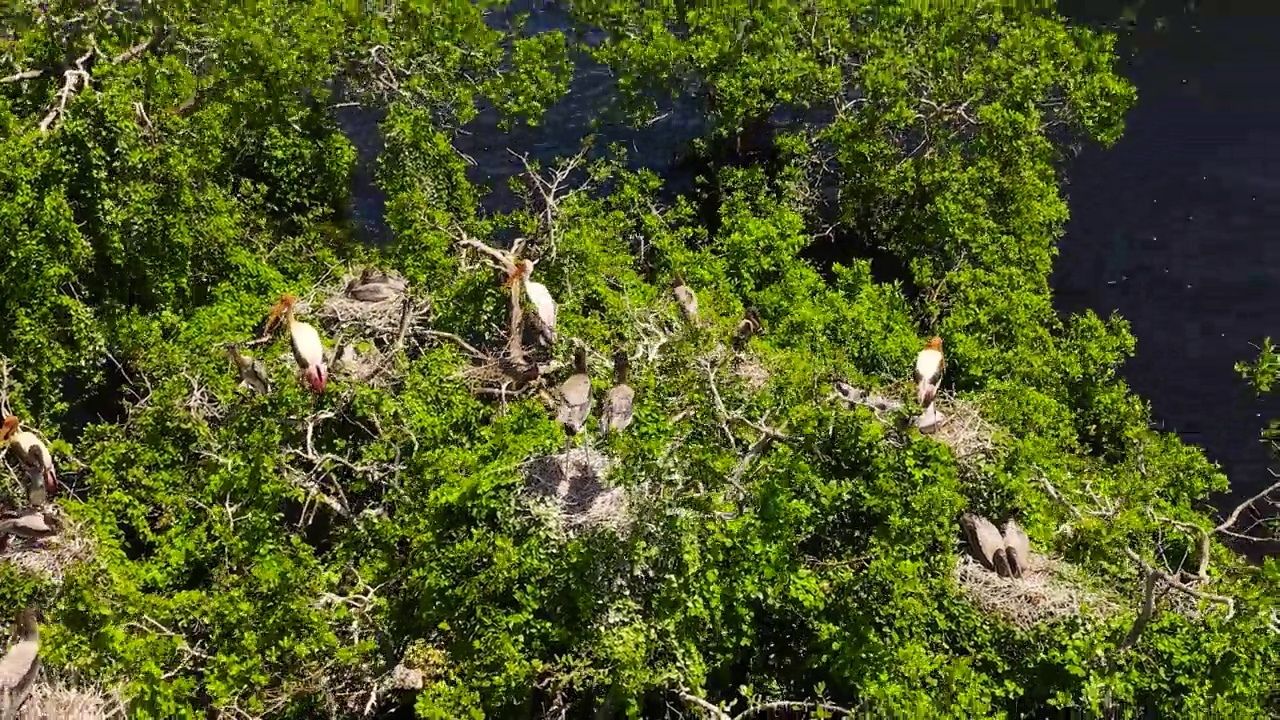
31 451
253 372
541 299
308 351
929 368
575 401
17 664
1017 548
685 298
748 326
985 543
619 403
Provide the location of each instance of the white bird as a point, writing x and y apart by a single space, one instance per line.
929 368
541 299
31 451
308 351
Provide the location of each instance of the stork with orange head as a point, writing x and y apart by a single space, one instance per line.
308 351
30 450
539 296
929 368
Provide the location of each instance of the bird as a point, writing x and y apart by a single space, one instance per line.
31 451
541 299
985 543
308 351
253 372
619 403
1017 548
18 663
748 326
32 526
929 368
375 286
685 298
575 400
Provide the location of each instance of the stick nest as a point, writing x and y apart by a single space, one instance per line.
1048 590
581 501
50 557
960 427
51 700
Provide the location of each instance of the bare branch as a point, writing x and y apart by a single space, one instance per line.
24 75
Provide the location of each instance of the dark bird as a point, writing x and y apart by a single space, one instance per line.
253 372
748 326
375 286
17 665
985 543
685 298
619 403
575 400
1017 548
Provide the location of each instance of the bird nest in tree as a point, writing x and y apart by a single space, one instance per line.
958 425
751 372
1048 590
580 500
395 314
55 701
50 557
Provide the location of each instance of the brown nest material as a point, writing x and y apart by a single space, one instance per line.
51 700
390 319
1049 590
751 372
50 557
580 501
958 425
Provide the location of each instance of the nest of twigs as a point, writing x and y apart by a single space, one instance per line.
1048 590
55 701
958 425
570 492
50 557
751 372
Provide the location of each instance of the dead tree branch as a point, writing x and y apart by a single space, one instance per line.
554 189
766 708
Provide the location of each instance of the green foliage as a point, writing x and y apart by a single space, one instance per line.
281 555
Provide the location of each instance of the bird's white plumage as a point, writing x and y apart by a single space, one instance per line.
928 373
307 348
33 451
541 299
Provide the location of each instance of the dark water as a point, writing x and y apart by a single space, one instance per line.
1176 227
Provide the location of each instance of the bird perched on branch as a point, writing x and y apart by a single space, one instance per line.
685 298
1017 548
619 403
929 368
541 299
748 326
253 372
31 451
308 351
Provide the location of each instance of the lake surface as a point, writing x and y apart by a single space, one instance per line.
1176 227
